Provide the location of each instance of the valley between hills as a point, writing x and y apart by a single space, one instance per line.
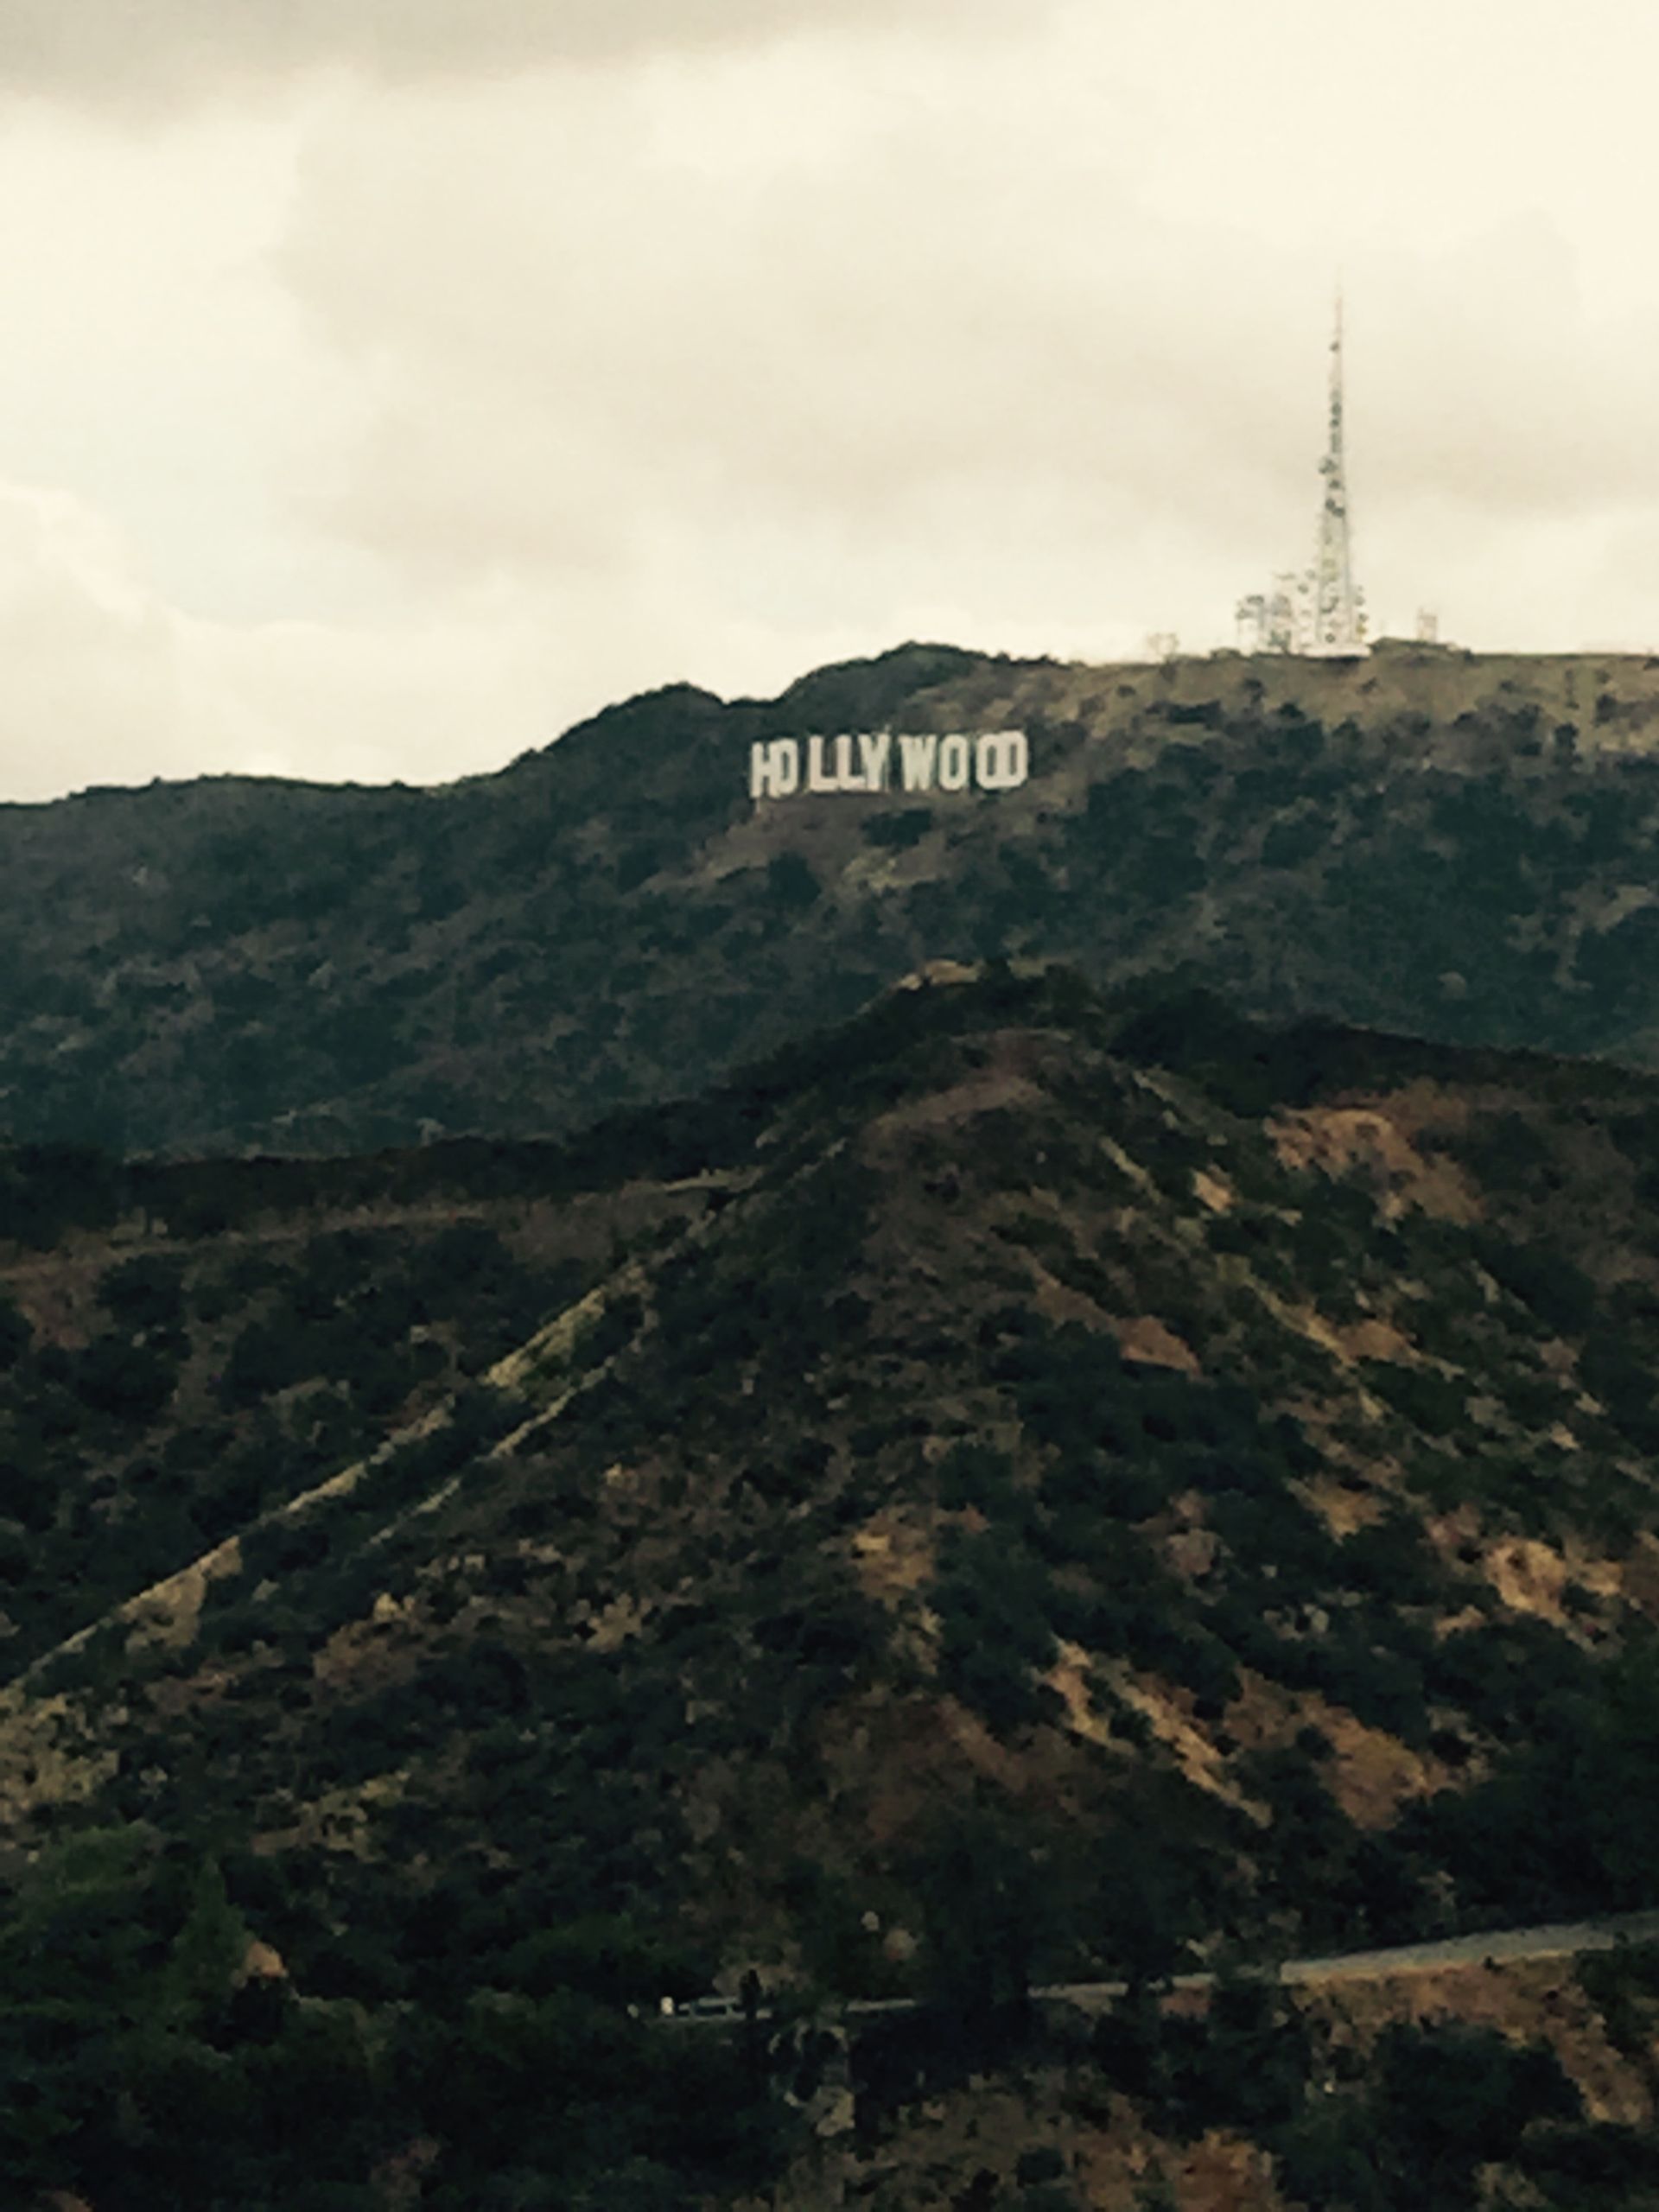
1031 1484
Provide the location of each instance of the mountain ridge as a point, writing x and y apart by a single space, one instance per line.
1446 845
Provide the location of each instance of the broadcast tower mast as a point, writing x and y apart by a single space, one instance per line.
1339 608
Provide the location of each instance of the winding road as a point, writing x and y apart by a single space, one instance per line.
1559 1939
1501 1947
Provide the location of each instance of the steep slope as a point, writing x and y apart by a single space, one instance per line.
1082 1481
1451 846
1020 1393
184 1346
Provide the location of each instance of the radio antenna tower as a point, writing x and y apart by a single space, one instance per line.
1338 610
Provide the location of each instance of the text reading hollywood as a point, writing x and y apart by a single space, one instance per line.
880 762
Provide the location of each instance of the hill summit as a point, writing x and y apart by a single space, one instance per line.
1452 846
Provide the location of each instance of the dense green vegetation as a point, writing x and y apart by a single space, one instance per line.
138 2056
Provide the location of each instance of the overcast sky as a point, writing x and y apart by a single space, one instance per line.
387 384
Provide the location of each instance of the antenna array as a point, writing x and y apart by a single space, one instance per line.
1322 611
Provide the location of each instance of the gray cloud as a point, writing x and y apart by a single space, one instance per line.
116 51
479 381
948 347
575 336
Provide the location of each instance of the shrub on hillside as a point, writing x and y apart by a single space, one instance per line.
144 1293
15 1335
130 1382
1435 1403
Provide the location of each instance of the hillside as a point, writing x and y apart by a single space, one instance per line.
1025 1486
1449 846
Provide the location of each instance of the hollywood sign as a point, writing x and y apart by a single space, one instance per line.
879 761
